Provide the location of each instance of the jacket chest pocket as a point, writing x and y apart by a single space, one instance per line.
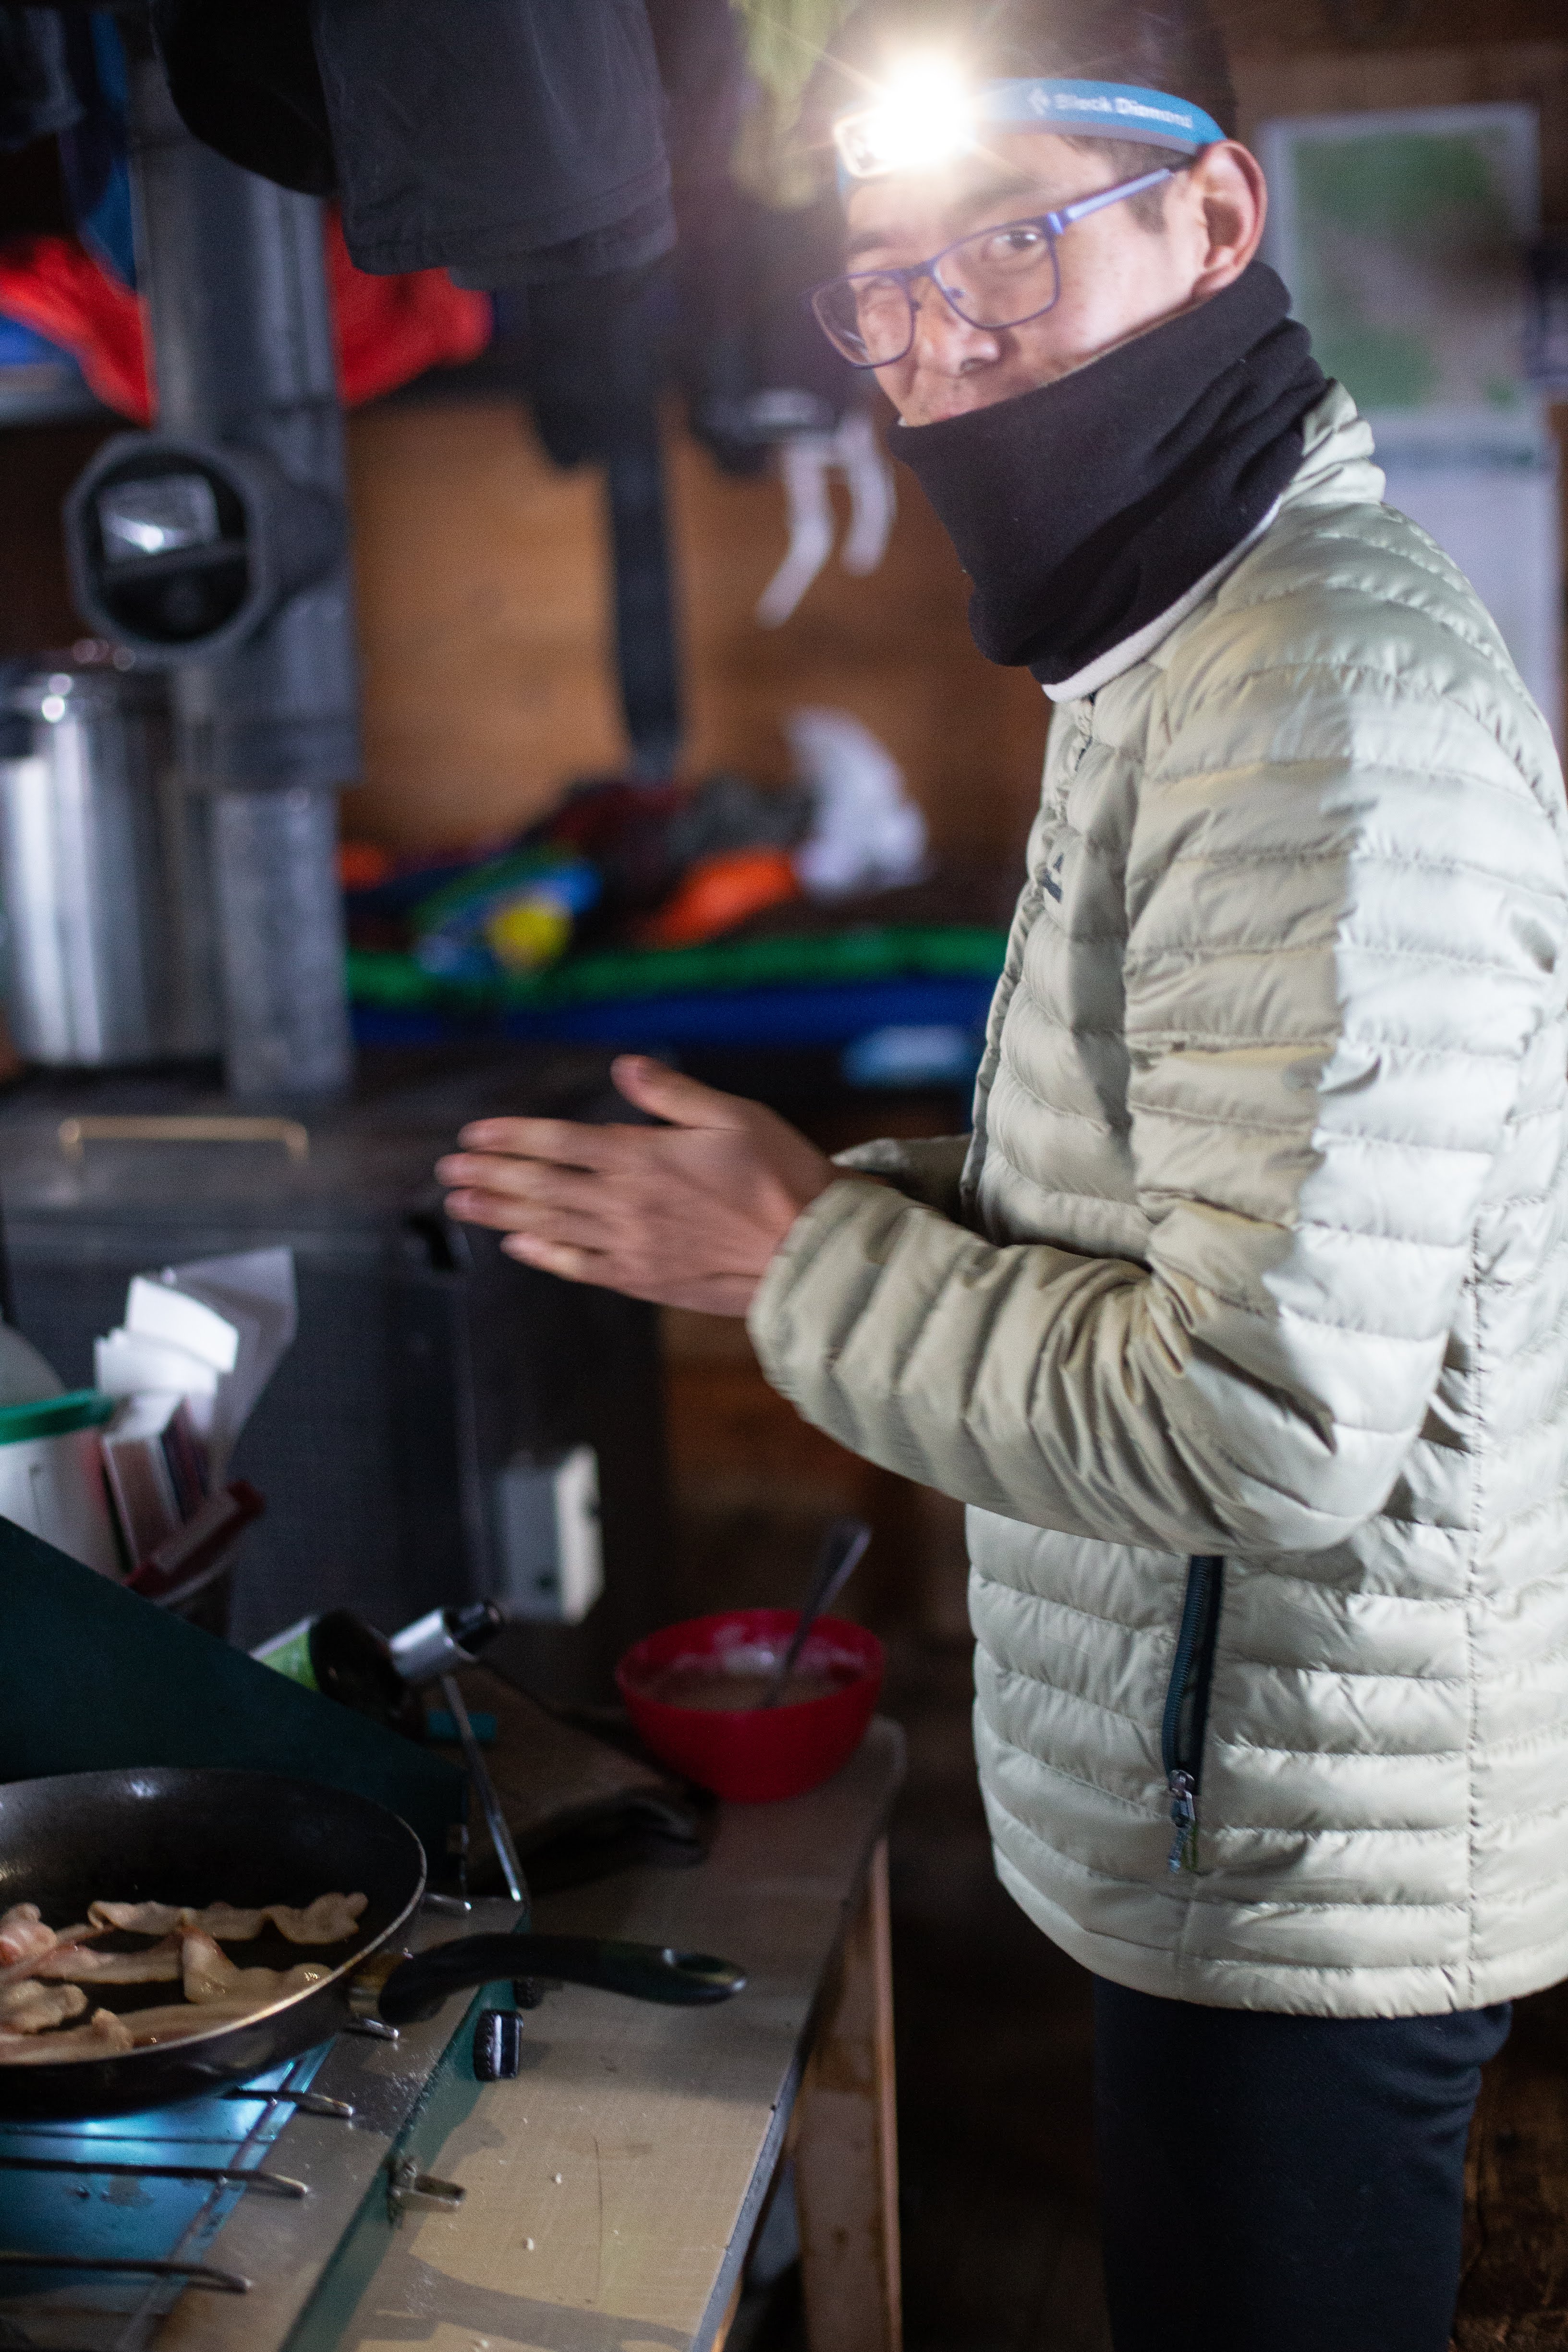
1053 841
1078 856
1186 1712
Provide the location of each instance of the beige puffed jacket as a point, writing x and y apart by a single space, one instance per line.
1242 1323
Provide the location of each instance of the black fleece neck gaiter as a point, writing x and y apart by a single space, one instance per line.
1084 509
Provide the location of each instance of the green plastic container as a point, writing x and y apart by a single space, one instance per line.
51 1474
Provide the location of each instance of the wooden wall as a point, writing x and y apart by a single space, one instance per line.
1377 29
1365 82
483 602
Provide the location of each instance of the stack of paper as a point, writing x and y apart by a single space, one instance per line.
210 1333
156 1467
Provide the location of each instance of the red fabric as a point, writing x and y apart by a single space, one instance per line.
53 285
388 329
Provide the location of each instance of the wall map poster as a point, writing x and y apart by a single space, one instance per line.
1403 236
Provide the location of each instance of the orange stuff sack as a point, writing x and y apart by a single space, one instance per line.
720 892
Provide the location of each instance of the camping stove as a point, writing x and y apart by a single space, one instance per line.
251 2220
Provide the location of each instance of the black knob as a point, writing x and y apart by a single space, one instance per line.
498 2045
473 1627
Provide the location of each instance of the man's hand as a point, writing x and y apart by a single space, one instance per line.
687 1214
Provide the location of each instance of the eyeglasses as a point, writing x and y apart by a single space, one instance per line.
996 277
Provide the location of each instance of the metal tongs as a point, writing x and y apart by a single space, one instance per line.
485 1789
430 1650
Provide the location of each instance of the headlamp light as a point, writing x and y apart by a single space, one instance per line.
923 116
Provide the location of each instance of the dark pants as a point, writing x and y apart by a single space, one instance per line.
1282 2184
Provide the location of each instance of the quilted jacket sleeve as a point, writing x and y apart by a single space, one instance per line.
1345 913
929 1169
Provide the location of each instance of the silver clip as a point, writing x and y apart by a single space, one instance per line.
406 2186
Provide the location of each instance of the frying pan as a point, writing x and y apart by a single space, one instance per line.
171 1835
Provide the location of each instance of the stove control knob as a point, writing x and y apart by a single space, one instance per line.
498 2045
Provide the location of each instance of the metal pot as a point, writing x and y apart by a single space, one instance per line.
103 871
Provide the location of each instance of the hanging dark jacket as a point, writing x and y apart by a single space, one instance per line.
37 93
506 140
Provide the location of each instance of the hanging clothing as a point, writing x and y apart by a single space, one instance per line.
752 362
53 285
388 329
38 97
784 40
509 141
245 81
94 162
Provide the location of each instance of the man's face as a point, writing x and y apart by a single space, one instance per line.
1118 277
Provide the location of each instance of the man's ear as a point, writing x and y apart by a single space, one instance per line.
1232 195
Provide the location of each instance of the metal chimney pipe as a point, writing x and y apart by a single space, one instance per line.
232 272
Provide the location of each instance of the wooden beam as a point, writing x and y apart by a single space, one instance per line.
1286 28
722 2337
845 2148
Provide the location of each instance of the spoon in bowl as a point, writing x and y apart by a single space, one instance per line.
842 1548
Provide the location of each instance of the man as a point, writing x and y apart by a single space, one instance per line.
1240 1320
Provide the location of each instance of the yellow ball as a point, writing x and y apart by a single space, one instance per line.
529 933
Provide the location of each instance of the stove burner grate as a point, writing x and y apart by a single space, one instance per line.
106 2223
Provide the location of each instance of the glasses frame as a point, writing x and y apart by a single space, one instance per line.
1055 225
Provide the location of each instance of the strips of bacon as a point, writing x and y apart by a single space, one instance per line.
211 1976
81 1964
179 2019
42 1979
33 2008
330 1919
60 1939
103 2036
23 1933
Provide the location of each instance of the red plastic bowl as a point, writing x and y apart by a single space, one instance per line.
756 1755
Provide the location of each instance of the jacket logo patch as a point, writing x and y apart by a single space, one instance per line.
1052 876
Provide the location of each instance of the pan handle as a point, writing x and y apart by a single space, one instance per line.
644 1972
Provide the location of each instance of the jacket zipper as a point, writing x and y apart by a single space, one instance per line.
1185 1717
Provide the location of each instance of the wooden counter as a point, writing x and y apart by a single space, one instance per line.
613 2188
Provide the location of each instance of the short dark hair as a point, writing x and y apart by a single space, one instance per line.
1168 45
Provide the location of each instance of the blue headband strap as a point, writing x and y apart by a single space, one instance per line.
1098 109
